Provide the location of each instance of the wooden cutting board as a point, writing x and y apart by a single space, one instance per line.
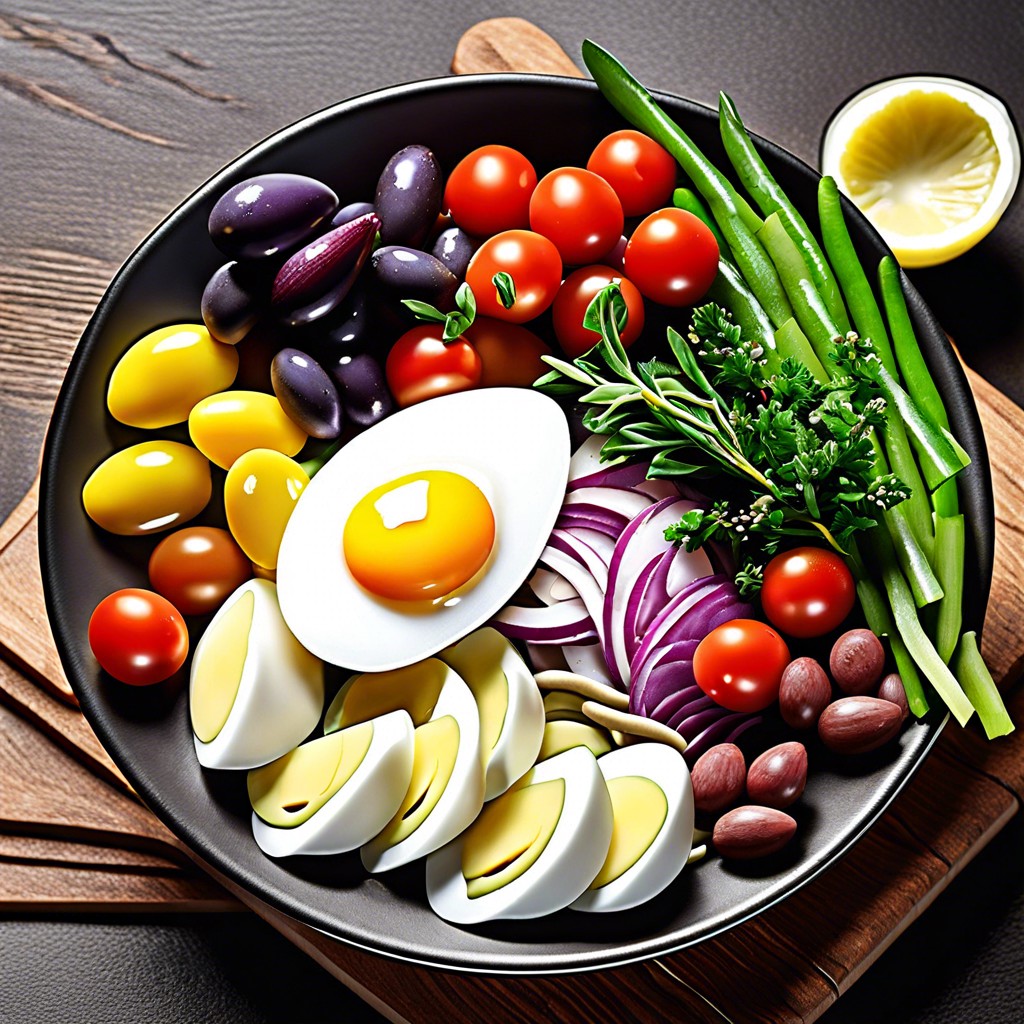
62 789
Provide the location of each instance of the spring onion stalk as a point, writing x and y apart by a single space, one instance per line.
904 612
879 620
949 567
737 222
791 342
981 689
770 198
687 199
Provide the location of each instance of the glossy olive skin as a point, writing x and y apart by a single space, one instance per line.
406 273
408 197
198 568
235 297
454 248
306 393
363 388
314 280
349 212
269 213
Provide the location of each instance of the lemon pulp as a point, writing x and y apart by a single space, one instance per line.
932 164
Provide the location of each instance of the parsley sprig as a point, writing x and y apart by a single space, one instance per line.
791 457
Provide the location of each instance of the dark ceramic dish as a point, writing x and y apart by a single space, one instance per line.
147 732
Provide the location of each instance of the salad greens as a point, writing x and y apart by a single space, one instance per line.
815 430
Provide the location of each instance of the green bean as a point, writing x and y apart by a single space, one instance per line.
981 688
733 215
770 198
909 356
852 280
687 199
949 567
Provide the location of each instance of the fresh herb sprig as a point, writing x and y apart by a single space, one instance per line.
798 452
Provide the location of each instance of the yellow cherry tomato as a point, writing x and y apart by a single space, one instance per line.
158 380
147 488
260 492
227 425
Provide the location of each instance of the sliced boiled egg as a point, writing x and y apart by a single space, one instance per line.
652 810
509 701
532 851
446 789
336 792
417 531
255 692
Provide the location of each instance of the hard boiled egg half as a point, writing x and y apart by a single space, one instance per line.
254 692
532 851
420 529
446 788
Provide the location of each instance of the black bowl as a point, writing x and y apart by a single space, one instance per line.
554 121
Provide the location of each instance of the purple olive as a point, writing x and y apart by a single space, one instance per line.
315 279
233 300
306 393
350 212
409 195
363 389
454 248
264 215
406 273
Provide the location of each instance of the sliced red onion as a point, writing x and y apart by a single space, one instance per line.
674 701
580 577
564 623
657 489
622 500
589 548
725 729
588 660
549 587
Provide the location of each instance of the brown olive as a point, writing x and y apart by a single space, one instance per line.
197 568
857 661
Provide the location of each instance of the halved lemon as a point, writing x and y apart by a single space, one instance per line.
931 162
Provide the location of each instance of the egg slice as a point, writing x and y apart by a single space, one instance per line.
446 788
418 530
509 701
255 692
652 807
336 792
532 851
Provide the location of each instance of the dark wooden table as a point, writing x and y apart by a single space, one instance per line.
113 113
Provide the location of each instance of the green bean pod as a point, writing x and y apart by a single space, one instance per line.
733 214
770 198
981 688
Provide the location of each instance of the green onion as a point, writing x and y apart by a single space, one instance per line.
949 567
981 689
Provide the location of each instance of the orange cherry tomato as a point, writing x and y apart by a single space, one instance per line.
138 637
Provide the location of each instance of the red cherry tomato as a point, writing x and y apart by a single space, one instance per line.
740 664
571 302
807 592
579 211
533 263
421 365
672 257
489 190
198 568
138 637
510 354
641 172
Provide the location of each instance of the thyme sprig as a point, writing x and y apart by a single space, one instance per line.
792 457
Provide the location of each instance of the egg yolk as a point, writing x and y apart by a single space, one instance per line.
420 537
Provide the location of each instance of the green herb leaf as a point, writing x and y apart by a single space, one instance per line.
505 287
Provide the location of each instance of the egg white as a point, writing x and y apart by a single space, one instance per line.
280 694
571 860
512 443
662 861
364 804
522 731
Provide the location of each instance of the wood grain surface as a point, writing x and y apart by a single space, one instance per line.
72 835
